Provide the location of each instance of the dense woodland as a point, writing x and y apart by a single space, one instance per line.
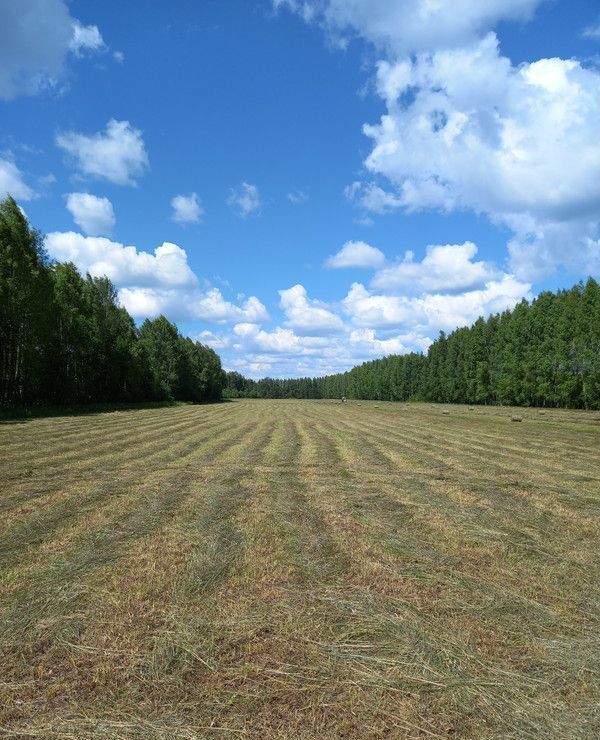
544 353
65 340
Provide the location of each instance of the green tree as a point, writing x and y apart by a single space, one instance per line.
24 298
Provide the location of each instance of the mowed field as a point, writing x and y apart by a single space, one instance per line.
300 569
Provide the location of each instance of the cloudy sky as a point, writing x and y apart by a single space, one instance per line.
308 184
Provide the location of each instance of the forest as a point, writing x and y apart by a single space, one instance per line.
65 340
543 353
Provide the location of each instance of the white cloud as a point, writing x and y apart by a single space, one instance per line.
297 196
187 209
406 26
462 309
307 316
85 38
216 341
124 265
356 254
12 182
372 198
367 338
432 311
35 39
213 307
465 129
592 31
245 200
117 155
481 134
152 283
448 268
255 338
370 310
190 305
92 214
317 338
286 353
538 247
516 143
118 56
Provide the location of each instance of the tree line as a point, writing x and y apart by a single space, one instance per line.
543 353
64 338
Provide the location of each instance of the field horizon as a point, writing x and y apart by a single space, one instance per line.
300 568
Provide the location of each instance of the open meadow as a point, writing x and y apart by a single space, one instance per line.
300 569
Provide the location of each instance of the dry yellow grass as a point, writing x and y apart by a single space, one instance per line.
300 569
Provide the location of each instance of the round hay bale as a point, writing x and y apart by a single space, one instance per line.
471 408
446 413
542 413
516 418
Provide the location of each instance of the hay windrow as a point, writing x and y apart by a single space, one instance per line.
301 569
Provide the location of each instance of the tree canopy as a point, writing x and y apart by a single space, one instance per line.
64 338
543 353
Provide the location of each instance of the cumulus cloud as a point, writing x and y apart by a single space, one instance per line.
190 305
306 315
356 254
407 26
12 182
124 265
370 310
516 143
479 133
465 129
245 200
85 38
152 283
432 311
92 214
372 197
118 154
35 39
539 246
250 337
187 209
216 341
367 338
287 353
407 304
444 268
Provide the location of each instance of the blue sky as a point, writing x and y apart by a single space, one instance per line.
306 185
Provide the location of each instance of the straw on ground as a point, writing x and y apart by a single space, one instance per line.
274 569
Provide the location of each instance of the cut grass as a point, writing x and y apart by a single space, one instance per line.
300 569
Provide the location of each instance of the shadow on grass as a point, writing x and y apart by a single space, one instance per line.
22 415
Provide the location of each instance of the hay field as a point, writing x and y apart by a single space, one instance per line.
300 569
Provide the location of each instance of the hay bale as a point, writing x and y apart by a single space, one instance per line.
542 413
446 413
516 418
471 408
